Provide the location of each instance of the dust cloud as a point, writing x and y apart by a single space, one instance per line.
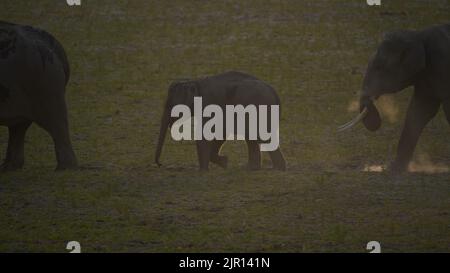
423 164
385 104
374 168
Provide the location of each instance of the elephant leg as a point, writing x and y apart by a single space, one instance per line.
254 155
447 110
278 159
15 152
55 122
421 110
216 158
204 153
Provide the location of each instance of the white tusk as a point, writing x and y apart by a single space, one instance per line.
353 122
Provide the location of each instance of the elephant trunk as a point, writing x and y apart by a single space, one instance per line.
165 120
369 115
372 120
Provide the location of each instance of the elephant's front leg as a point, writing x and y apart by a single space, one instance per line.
15 152
421 110
204 154
54 120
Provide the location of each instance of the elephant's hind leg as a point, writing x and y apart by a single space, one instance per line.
15 157
55 122
254 155
216 158
278 160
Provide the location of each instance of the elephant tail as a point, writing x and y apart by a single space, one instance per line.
277 99
61 53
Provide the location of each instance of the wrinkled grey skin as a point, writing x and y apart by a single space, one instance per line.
34 72
230 88
410 58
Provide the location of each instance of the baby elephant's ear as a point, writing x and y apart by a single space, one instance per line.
372 121
193 88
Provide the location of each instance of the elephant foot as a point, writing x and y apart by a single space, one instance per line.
278 161
397 167
280 167
70 165
10 166
253 167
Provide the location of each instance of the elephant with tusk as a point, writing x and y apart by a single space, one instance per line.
34 72
408 58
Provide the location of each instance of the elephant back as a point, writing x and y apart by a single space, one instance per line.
44 42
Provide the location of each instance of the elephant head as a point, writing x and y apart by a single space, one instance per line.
179 93
397 64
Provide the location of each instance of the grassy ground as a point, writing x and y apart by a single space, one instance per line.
123 56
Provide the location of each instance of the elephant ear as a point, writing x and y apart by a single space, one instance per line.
183 92
411 51
190 90
414 59
372 120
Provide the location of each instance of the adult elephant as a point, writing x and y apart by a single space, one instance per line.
408 58
226 89
34 72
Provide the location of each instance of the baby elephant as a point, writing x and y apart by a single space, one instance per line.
33 75
230 90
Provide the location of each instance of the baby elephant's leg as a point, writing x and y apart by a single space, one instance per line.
204 153
254 155
278 159
447 110
216 158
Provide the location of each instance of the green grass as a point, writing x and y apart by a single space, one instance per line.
124 54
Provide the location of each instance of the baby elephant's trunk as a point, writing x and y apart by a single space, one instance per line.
162 135
447 110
